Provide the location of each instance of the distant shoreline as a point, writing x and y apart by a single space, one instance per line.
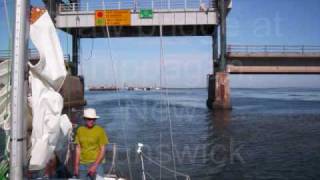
185 88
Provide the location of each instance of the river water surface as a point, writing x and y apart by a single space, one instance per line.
269 134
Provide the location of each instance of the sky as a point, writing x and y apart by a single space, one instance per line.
188 60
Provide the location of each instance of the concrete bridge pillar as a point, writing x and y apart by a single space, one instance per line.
222 92
219 91
218 83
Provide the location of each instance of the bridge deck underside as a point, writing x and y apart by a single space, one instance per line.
174 23
142 31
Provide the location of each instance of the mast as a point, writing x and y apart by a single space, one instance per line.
19 56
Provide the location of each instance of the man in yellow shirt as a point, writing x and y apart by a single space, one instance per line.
90 140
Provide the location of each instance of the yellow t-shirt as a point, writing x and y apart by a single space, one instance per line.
90 141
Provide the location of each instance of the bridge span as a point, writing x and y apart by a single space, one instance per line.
138 18
178 18
273 59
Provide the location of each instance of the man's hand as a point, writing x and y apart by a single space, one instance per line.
93 169
77 161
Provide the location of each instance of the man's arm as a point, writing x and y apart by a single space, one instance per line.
101 154
93 169
77 160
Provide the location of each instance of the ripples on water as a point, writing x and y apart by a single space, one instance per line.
269 134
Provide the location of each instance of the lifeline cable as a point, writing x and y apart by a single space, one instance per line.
164 167
114 149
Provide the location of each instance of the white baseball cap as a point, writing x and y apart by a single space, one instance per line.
90 113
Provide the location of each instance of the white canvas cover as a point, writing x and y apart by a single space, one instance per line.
46 78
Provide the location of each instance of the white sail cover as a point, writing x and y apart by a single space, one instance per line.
46 78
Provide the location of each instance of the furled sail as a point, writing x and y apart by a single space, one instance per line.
46 78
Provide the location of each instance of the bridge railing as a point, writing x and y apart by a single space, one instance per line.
32 54
6 54
137 5
284 49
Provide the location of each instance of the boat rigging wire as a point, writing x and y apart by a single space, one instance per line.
117 93
6 13
162 69
91 51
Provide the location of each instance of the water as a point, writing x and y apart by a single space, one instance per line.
269 134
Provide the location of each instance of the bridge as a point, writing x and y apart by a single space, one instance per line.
273 59
137 18
141 18
178 18
185 18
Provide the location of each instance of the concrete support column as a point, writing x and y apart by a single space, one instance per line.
222 91
75 53
221 76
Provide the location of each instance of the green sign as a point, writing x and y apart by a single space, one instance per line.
100 22
146 13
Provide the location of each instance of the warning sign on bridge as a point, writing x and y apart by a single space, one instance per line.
113 17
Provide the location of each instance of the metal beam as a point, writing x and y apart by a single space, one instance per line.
211 77
20 46
144 31
275 55
51 6
86 19
269 61
75 52
223 36
215 50
273 69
